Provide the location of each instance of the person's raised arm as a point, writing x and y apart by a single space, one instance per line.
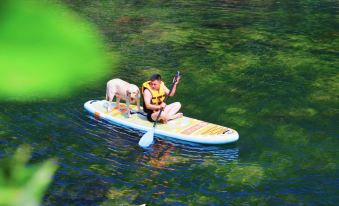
174 87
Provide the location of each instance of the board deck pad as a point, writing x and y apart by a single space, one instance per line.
184 128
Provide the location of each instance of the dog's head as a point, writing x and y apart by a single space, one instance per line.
133 92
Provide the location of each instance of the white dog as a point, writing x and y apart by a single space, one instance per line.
122 90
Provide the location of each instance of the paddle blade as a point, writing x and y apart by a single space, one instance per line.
147 139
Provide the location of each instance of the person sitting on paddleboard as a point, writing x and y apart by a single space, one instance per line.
154 92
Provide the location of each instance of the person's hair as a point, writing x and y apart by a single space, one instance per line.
155 77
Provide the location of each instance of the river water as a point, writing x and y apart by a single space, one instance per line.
268 69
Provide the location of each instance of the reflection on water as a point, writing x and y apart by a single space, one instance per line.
266 68
163 154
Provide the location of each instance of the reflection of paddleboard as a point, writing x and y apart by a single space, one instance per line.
185 128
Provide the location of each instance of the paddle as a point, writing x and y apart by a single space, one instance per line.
147 139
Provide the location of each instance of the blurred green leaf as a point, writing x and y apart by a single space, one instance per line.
21 184
47 51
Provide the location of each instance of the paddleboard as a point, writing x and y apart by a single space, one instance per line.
184 128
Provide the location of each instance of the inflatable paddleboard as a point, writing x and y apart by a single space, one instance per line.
184 128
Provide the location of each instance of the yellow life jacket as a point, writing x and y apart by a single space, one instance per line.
157 96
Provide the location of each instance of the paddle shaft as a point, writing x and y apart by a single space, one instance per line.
172 86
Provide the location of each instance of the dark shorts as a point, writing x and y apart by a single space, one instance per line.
149 117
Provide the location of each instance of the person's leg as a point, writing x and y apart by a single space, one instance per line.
170 112
176 116
172 109
162 117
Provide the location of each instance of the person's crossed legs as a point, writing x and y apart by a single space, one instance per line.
172 110
169 113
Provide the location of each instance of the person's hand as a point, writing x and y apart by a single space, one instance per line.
178 79
162 105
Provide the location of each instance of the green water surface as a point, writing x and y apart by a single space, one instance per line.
268 69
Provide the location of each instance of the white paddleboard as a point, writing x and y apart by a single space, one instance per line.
184 128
